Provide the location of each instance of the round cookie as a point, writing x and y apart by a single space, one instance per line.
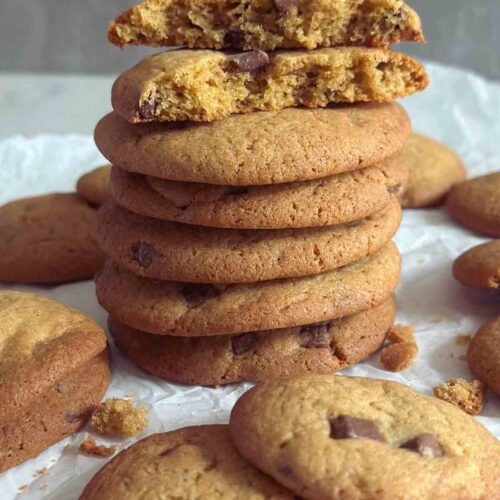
170 308
48 239
54 370
93 187
258 148
255 356
192 462
434 170
332 437
194 254
483 354
323 202
476 204
479 267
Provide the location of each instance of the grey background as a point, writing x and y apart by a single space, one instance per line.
70 35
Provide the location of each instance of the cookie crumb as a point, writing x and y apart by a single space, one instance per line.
468 396
462 340
40 472
22 488
401 349
90 447
119 417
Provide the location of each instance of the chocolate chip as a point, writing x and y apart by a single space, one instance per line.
166 452
283 6
244 342
235 190
197 294
254 60
347 427
315 336
147 109
145 254
424 444
234 39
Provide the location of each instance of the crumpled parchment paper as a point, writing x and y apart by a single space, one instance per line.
460 109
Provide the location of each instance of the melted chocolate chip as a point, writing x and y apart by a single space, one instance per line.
197 294
244 342
315 336
147 109
347 427
145 254
254 60
283 6
424 444
235 190
234 39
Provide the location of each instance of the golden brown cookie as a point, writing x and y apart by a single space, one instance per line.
483 354
48 239
171 308
332 437
266 24
194 254
258 148
476 204
255 356
434 170
53 373
93 187
333 200
192 462
207 85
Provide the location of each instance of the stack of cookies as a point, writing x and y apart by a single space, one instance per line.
255 190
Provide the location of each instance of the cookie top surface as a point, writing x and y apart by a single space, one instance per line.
41 342
329 201
265 24
181 309
48 239
255 356
434 169
258 148
476 204
192 462
208 85
322 435
93 187
479 267
483 354
157 249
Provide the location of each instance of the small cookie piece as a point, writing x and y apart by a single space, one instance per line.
266 24
483 354
476 204
274 147
192 462
401 349
434 170
468 396
90 447
331 437
54 370
48 239
205 85
330 201
225 359
157 249
180 309
119 417
479 267
93 187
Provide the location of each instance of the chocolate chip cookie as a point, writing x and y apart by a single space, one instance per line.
333 200
265 24
181 309
258 148
53 373
206 85
332 437
93 187
194 254
225 359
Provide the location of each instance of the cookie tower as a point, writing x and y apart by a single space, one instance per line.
255 189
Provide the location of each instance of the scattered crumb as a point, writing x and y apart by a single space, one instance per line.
438 320
468 396
90 447
462 340
401 333
119 417
40 472
401 349
129 395
22 488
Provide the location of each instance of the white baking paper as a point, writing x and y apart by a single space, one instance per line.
459 109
